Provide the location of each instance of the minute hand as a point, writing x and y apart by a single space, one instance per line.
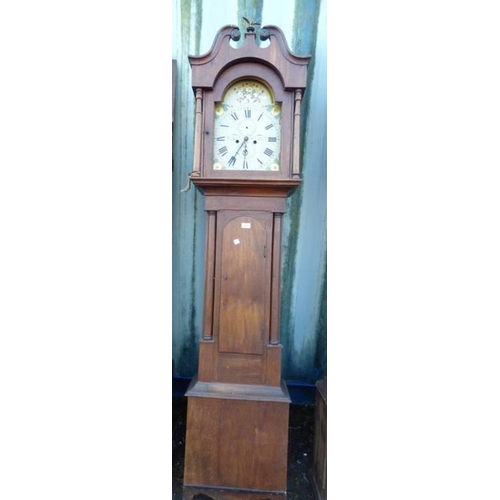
238 150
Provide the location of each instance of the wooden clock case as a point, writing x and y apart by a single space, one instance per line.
237 423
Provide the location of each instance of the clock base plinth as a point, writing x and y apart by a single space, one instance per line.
237 437
190 492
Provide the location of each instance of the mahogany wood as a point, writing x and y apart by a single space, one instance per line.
197 158
245 203
276 285
291 68
237 443
244 267
254 392
209 275
273 365
278 188
237 422
283 71
189 493
208 360
265 74
240 368
296 135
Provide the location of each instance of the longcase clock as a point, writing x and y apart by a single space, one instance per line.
246 163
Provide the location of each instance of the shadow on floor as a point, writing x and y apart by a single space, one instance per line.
300 450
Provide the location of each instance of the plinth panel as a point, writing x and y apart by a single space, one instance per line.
234 443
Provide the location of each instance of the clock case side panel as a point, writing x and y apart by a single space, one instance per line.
264 74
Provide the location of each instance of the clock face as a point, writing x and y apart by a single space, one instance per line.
247 129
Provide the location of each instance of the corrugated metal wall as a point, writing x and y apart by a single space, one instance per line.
303 329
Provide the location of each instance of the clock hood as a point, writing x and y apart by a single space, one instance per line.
291 68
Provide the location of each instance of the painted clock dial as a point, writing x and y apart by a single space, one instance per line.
247 129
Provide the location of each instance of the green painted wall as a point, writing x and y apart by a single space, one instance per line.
304 315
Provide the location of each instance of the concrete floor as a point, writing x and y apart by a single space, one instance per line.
300 450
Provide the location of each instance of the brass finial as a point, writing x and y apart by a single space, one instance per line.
251 25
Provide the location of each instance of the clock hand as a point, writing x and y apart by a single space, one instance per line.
241 145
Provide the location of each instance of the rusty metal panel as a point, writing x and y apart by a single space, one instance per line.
195 23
